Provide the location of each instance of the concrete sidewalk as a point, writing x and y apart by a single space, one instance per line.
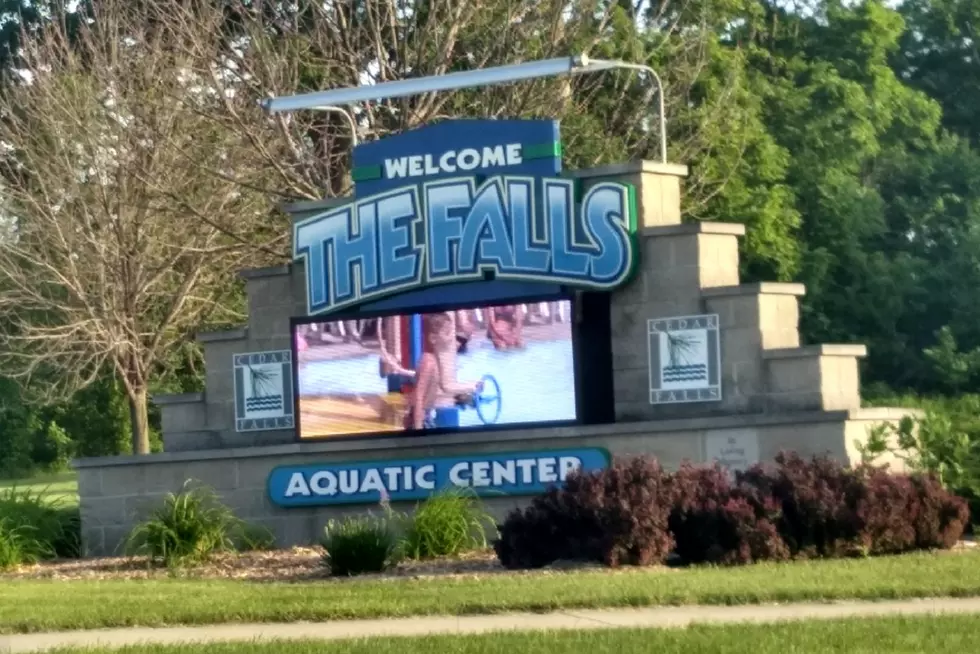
585 619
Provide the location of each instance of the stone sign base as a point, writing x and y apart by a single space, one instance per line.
117 492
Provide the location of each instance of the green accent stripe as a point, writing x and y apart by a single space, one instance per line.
541 151
366 173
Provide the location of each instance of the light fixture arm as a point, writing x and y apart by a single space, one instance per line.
333 99
661 116
346 114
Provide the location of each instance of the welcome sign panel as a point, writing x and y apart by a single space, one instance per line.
465 201
499 364
531 148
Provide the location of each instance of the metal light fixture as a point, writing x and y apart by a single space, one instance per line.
329 100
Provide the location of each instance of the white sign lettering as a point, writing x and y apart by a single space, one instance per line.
451 161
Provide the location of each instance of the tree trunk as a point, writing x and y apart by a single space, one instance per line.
140 420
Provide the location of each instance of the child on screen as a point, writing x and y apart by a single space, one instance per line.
436 385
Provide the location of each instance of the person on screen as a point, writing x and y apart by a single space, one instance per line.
504 326
436 385
464 330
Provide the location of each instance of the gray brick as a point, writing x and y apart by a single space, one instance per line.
232 439
93 541
632 385
190 441
296 529
123 480
115 540
219 474
183 417
270 323
90 482
103 511
139 507
249 504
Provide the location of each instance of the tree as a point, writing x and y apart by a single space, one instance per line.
940 54
832 99
124 230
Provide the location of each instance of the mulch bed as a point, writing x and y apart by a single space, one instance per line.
292 565
295 565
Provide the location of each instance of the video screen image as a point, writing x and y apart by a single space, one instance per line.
494 365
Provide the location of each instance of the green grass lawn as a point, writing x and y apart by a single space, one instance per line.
61 487
916 635
38 605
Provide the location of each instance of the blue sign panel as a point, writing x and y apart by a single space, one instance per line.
458 148
457 201
521 473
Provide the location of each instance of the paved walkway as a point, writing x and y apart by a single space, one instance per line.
586 619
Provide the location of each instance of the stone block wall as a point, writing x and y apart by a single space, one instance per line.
685 269
117 492
693 269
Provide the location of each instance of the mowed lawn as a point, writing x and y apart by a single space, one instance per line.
904 635
60 488
41 605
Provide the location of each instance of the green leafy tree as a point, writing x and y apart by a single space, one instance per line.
940 54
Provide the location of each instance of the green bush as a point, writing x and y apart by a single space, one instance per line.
447 524
188 529
944 442
360 544
20 545
53 524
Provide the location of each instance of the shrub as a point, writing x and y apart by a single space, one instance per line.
19 545
940 517
945 443
359 544
52 523
615 516
53 448
446 524
188 529
830 510
716 521
885 512
818 504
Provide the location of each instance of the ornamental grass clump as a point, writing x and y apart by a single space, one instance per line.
360 544
20 545
51 523
188 529
447 524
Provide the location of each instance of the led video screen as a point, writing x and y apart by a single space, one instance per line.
467 368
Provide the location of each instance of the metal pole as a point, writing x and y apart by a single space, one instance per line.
578 64
660 97
415 86
345 114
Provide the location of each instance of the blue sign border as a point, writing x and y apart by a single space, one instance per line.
422 276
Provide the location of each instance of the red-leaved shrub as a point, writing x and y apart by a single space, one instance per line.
716 521
635 513
884 512
940 517
832 510
614 516
818 503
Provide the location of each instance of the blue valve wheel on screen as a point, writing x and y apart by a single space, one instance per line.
488 401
